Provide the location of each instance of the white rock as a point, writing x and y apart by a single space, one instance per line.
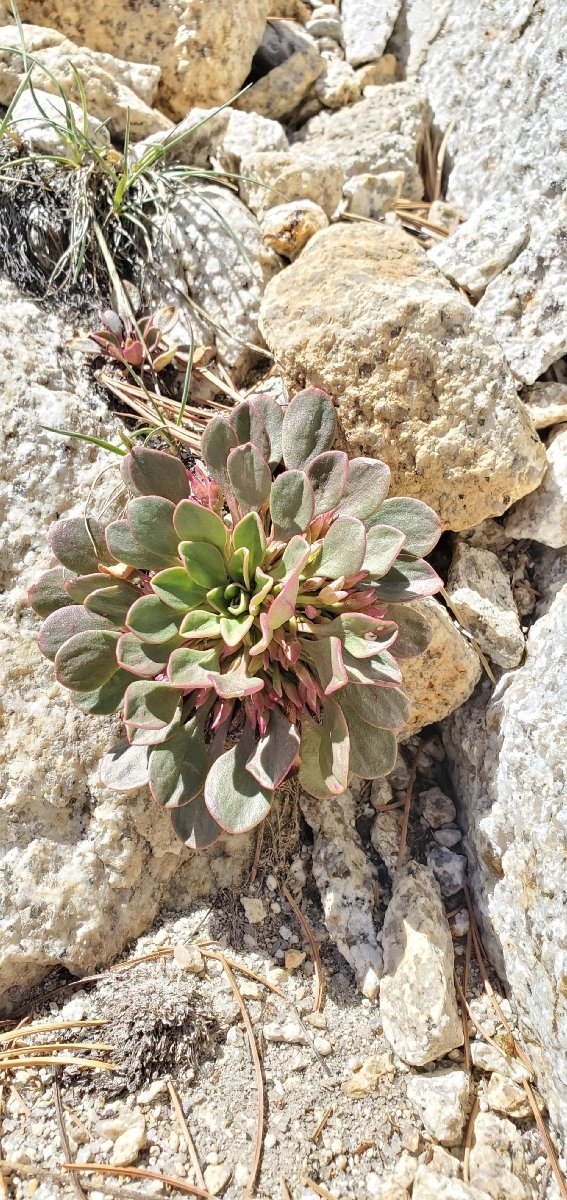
367 25
438 809
480 248
372 195
505 1096
450 869
216 1177
488 1058
39 132
385 836
543 515
417 995
249 133
546 403
273 176
288 1031
442 1162
442 1100
508 752
254 909
344 878
286 228
449 836
482 600
366 1079
338 85
294 63
128 1144
431 1185
189 958
325 23
497 1162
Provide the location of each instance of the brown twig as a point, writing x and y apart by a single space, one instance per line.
259 1080
316 1187
75 1183
138 1173
186 1134
468 1140
257 853
320 982
314 1137
286 1194
464 1012
407 807
545 1139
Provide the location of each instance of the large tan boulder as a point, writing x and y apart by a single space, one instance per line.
418 383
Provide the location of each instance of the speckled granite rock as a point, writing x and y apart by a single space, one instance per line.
290 63
483 246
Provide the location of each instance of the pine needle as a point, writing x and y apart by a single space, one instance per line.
320 982
259 1081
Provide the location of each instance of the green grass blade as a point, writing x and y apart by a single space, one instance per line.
85 437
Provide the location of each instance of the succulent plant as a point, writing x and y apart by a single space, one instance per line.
246 616
133 346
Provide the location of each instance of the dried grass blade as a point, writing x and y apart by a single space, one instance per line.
259 1080
139 1173
186 1134
76 1183
407 807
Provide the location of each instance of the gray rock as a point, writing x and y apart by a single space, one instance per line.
432 1185
273 177
543 515
442 1100
480 248
294 63
450 869
417 995
41 133
367 25
325 23
546 403
385 836
497 1162
338 85
344 877
449 836
382 132
508 752
438 809
482 600
372 195
488 1058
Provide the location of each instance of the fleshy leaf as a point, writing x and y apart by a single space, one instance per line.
71 544
383 544
238 567
200 624
235 800
249 535
191 668
50 592
234 629
344 547
102 701
234 684
177 590
248 426
417 520
217 440
324 753
282 607
194 825
125 768
292 504
366 487
272 415
275 752
409 579
204 564
414 631
194 523
153 473
326 655
249 478
113 602
124 547
178 767
309 427
153 621
382 669
138 736
382 707
81 586
63 624
373 751
149 705
362 636
143 658
86 660
327 474
151 520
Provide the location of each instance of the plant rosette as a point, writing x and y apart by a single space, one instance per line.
248 617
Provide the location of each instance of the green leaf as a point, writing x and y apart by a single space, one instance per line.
63 624
282 607
103 701
86 660
417 520
143 658
238 567
383 544
153 621
309 427
409 579
324 753
75 549
362 636
234 629
137 736
50 592
327 475
177 590
81 586
264 585
233 685
125 768
367 485
373 751
248 426
271 414
249 535
216 442
113 602
194 825
414 630
178 767
193 523
326 655
382 707
153 473
292 504
124 547
235 800
151 520
275 753
204 564
249 478
200 624
344 547
192 668
150 705
382 668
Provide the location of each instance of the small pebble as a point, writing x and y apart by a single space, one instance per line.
254 909
323 1046
216 1178
294 959
189 958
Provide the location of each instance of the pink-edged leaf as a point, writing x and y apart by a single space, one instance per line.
178 767
65 623
217 441
282 607
366 488
50 592
234 684
409 579
326 655
150 705
79 544
292 504
153 473
190 668
362 636
327 474
275 753
194 826
235 800
383 544
382 707
124 768
249 477
248 425
325 750
382 669
416 520
414 630
344 547
309 427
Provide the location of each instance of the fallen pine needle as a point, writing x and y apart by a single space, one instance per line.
11 1064
259 1079
28 1030
317 1187
407 807
318 999
186 1134
320 1127
138 1173
250 974
545 1139
468 1140
286 1194
76 1183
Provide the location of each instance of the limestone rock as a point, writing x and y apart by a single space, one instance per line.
480 248
508 752
338 85
343 875
286 228
216 1176
416 381
505 1096
39 133
372 195
83 870
376 74
249 133
290 63
442 1101
129 1143
325 23
204 50
417 995
482 600
114 90
546 403
438 809
385 836
488 1058
497 1159
450 869
382 132
274 176
431 1185
440 680
367 25
366 1080
543 515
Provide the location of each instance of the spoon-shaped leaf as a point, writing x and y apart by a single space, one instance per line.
151 520
87 660
194 825
292 504
216 442
178 768
153 473
150 705
373 751
408 579
125 768
235 800
309 427
344 547
204 564
174 587
249 478
153 621
325 753
366 487
64 624
414 630
275 752
51 592
248 426
79 544
327 474
417 520
383 544
194 523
